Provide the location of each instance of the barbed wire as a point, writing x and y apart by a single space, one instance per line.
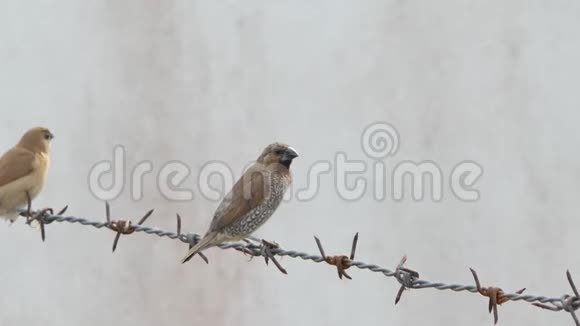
407 278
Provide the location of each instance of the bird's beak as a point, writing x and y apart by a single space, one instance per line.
289 154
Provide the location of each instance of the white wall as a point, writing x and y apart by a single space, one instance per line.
490 81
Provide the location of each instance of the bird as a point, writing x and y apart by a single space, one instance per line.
23 171
252 200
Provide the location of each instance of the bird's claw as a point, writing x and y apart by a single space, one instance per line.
266 250
246 251
39 217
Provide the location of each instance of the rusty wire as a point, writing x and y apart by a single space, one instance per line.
39 216
409 279
341 262
122 226
495 295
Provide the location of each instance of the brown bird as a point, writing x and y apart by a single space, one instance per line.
23 169
252 200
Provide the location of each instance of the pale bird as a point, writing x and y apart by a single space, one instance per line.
23 170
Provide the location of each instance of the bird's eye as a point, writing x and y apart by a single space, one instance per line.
47 136
279 152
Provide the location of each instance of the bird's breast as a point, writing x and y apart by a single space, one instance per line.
40 170
13 195
261 213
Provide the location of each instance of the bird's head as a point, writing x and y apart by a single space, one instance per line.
278 153
37 140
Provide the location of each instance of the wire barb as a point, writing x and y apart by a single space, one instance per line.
178 224
567 303
192 240
406 278
122 226
342 262
40 216
495 295
266 250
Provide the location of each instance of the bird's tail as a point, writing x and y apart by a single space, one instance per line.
206 242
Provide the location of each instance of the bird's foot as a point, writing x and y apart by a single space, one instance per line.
37 217
252 241
267 250
246 250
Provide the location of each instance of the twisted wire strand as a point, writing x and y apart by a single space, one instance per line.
254 250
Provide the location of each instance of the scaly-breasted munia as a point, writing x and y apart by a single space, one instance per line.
252 200
23 170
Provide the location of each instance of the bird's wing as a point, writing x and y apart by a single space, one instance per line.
248 192
15 164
